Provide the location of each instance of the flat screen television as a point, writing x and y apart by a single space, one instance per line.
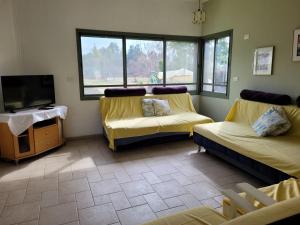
21 92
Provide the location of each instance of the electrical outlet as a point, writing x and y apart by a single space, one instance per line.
246 36
235 79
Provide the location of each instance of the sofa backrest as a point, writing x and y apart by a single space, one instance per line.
131 107
247 112
283 211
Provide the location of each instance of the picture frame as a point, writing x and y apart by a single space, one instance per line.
296 45
263 61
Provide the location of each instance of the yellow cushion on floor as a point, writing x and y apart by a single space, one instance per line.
196 216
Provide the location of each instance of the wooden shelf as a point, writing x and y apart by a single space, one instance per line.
38 138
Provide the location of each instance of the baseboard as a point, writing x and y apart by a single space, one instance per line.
83 137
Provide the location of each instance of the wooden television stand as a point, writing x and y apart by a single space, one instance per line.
40 137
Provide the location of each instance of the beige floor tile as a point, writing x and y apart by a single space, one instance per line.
211 203
136 215
169 189
34 222
101 214
152 178
37 197
16 197
139 200
6 186
105 187
202 190
155 202
122 177
190 201
163 169
173 202
102 199
181 179
49 198
20 213
38 186
119 201
84 199
58 214
170 211
136 188
73 186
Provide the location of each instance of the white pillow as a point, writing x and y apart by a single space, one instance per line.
161 107
272 123
148 107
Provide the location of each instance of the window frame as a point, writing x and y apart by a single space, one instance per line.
139 36
215 37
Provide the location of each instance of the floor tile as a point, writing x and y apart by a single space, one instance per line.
151 178
190 201
211 203
34 222
155 202
170 211
84 199
136 188
33 197
136 215
20 213
105 187
59 214
181 179
102 199
49 184
119 201
169 189
101 214
202 190
74 186
49 198
139 200
16 197
163 169
173 202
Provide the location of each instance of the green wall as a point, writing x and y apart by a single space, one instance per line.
268 22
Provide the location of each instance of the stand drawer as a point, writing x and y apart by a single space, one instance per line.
46 138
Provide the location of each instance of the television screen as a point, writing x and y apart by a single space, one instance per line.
21 92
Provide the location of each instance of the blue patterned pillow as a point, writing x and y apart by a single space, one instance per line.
272 123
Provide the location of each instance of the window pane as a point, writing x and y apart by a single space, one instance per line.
221 62
144 61
207 87
181 62
220 89
94 91
102 61
208 70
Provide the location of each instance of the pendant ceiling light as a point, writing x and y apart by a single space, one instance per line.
198 15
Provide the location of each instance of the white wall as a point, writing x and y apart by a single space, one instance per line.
46 32
9 50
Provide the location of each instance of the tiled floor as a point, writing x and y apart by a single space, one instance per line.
85 183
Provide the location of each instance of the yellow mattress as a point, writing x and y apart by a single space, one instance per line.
122 117
196 216
281 152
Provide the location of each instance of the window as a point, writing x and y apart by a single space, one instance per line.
114 59
216 64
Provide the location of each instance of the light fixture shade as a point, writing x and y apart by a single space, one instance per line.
198 16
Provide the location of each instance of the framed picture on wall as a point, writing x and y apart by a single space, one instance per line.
263 61
296 48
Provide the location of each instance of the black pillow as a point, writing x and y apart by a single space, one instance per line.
169 90
123 92
265 97
298 101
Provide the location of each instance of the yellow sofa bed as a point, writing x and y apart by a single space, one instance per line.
282 191
272 159
284 212
122 117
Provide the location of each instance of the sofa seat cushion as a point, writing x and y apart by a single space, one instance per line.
196 216
281 153
139 126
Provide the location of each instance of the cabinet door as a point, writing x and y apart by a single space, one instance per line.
46 138
24 144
